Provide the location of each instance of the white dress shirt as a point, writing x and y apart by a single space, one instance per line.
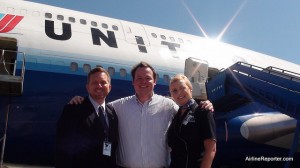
96 107
142 129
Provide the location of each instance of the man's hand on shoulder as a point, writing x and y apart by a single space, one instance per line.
76 100
207 105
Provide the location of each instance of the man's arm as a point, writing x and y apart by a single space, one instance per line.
207 105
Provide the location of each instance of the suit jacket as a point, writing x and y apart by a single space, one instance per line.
80 136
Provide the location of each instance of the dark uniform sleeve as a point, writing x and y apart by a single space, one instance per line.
207 125
64 138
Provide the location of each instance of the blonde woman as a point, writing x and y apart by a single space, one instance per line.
192 134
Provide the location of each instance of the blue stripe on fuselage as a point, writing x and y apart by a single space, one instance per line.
62 65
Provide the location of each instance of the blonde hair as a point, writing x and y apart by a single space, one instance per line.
178 77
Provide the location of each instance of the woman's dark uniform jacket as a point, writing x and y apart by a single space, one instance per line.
186 141
80 137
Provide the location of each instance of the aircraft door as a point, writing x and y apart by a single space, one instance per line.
136 34
197 71
8 56
11 81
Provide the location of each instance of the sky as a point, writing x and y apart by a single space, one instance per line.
267 26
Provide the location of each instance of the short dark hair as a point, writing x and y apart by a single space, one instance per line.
142 64
98 69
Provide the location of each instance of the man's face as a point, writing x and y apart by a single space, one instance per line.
98 86
144 82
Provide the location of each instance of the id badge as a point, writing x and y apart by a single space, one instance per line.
106 148
188 119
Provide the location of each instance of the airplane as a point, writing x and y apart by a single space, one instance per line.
47 51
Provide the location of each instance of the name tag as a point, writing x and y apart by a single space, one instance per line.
106 148
188 119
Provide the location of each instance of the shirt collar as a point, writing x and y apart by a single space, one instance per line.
138 101
188 105
95 104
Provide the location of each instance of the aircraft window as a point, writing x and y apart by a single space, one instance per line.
48 15
99 66
82 21
180 40
86 68
123 72
60 17
154 35
74 66
172 38
71 19
163 37
93 23
111 71
105 26
166 78
115 27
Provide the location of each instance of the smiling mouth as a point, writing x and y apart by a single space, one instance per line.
181 97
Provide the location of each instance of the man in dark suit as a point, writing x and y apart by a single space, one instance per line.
87 134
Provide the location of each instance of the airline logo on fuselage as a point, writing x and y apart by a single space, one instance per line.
9 22
97 36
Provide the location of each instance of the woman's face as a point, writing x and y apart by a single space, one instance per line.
180 92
